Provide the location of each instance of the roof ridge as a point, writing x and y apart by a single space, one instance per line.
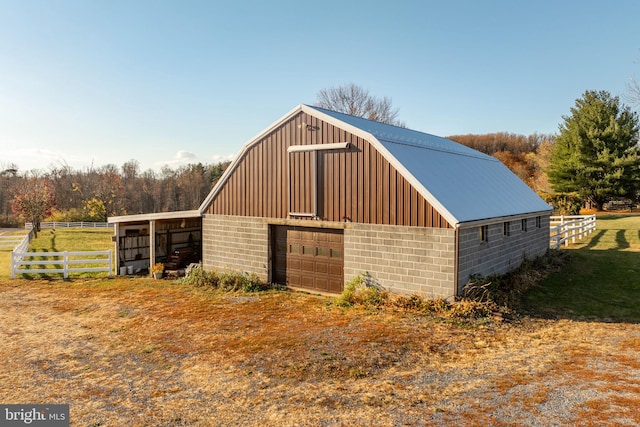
420 144
428 140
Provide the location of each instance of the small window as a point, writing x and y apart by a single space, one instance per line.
484 233
538 222
524 225
506 228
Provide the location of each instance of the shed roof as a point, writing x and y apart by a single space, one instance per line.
463 184
158 216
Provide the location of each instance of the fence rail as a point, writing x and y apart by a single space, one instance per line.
10 242
19 243
568 228
74 224
62 262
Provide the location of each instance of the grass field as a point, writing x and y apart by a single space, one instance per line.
5 254
143 352
602 281
60 240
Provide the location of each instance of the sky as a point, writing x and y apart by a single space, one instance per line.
86 83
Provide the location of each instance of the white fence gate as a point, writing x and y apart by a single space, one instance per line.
62 262
565 228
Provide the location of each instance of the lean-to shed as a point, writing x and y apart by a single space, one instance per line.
319 197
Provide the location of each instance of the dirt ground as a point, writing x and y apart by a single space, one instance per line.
139 352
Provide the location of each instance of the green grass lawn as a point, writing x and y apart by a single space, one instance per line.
5 258
60 240
73 239
602 281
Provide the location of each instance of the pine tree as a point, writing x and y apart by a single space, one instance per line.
596 154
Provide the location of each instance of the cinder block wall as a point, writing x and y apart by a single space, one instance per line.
236 242
408 260
500 253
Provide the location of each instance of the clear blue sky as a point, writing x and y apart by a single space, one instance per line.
167 82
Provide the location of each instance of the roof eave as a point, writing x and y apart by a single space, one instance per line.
154 216
483 221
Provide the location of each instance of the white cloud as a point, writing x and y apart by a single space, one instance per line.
42 159
181 158
185 155
217 158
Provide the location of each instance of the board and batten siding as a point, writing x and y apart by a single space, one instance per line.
356 184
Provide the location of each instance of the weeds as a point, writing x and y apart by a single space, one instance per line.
506 290
227 281
482 297
363 291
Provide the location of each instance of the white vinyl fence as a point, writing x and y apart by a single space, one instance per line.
14 241
61 262
76 224
568 228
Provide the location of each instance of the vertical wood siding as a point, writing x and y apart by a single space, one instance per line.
356 184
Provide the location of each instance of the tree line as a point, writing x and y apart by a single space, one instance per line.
96 193
526 156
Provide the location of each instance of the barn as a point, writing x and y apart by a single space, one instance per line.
320 197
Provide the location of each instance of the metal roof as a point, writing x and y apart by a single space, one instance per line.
154 216
462 183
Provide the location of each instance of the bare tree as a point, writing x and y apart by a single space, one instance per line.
357 101
633 97
633 92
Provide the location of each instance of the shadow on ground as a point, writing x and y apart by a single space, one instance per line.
596 285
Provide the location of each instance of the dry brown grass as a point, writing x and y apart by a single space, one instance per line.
139 352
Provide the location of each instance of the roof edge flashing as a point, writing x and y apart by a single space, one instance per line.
495 220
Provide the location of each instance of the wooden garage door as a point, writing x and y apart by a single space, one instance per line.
309 258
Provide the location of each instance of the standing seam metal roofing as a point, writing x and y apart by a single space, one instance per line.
468 184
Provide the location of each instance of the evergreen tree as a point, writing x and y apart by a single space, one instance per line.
596 154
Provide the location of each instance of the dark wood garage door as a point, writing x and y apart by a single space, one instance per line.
309 258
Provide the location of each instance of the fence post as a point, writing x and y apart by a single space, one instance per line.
65 264
13 273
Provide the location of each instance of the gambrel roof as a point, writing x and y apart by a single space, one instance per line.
463 184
